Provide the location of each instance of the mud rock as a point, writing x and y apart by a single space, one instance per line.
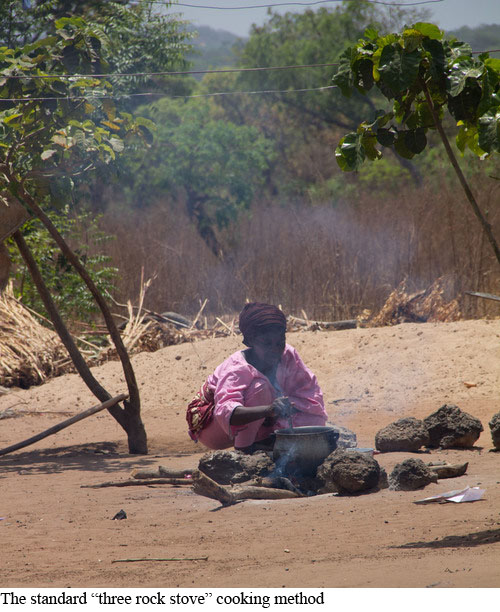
227 467
407 434
410 475
347 438
348 472
495 430
450 427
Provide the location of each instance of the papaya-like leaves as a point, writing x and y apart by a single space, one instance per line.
364 73
464 106
350 152
459 73
401 146
415 140
428 29
436 56
344 78
398 69
489 131
386 136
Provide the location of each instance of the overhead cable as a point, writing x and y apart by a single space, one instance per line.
165 73
239 8
185 72
135 95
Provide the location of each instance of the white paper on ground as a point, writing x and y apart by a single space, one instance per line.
468 494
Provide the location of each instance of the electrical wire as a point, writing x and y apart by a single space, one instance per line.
239 8
165 73
135 95
185 72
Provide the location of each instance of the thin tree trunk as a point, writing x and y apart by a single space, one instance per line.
129 420
459 173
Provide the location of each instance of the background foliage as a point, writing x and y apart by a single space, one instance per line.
240 196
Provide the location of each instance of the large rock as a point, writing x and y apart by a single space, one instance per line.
495 430
450 427
410 475
227 467
407 435
349 472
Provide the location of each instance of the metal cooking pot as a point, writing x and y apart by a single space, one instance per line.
301 450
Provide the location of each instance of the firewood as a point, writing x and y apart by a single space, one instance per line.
204 485
145 481
160 471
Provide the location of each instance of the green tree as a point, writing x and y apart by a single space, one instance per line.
423 75
213 165
54 128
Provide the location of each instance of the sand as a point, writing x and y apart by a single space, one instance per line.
55 533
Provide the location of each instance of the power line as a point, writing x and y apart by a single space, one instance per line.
186 72
165 73
145 94
239 8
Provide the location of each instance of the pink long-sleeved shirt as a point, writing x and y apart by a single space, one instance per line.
235 382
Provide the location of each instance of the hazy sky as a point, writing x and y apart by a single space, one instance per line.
448 14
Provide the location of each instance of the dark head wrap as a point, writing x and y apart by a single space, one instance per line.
256 317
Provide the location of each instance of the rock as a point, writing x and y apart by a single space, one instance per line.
450 427
495 430
407 434
410 475
347 438
348 472
227 467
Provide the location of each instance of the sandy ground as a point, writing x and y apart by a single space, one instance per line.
54 533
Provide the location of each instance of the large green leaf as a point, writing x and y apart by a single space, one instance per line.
458 76
401 146
398 69
386 137
428 29
489 131
344 78
415 140
350 153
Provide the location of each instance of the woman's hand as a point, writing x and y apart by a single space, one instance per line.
283 408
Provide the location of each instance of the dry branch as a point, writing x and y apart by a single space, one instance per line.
204 485
160 559
140 482
160 472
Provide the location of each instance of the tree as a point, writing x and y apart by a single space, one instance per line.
211 164
139 40
423 75
53 128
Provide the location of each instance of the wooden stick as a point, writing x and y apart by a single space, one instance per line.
160 559
52 430
193 324
140 482
160 472
204 485
226 326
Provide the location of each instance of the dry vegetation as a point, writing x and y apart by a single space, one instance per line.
333 261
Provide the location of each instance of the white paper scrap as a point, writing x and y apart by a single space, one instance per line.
468 494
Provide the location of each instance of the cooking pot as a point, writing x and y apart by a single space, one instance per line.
299 451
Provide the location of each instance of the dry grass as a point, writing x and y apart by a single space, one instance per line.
29 352
333 261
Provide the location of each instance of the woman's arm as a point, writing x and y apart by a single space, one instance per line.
242 415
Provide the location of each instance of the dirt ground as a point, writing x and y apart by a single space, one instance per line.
54 533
